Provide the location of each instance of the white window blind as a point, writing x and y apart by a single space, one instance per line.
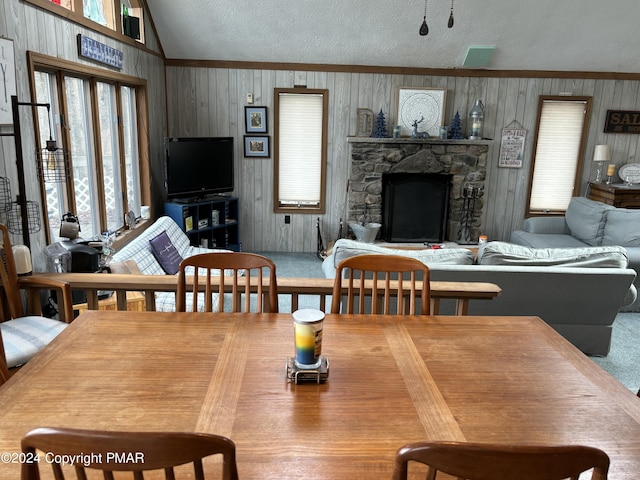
300 149
557 154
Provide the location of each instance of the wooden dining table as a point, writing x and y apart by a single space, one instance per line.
392 380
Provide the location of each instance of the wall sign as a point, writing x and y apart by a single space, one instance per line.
94 50
7 81
512 145
622 121
365 122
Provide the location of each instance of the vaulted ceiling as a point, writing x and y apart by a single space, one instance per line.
559 35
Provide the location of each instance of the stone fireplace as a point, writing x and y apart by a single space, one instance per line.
464 161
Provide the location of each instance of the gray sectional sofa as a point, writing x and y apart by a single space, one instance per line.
578 291
587 223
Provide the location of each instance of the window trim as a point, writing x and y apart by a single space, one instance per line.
37 61
320 208
529 212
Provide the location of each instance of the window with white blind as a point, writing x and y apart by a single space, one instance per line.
300 149
561 133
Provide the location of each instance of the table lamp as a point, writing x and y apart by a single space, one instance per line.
601 154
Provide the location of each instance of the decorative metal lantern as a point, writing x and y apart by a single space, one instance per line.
476 121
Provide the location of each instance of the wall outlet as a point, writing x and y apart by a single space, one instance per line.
249 97
287 219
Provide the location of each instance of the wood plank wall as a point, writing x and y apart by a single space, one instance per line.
209 100
35 29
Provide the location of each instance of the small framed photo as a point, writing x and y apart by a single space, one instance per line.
256 146
7 65
255 119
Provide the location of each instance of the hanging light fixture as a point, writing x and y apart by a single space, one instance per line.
52 160
15 216
424 28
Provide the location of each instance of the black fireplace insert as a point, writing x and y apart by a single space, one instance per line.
415 207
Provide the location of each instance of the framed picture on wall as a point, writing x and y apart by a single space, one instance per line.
256 146
255 119
7 81
422 106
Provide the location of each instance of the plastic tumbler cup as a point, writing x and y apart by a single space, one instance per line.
307 327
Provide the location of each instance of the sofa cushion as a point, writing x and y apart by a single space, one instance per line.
622 228
345 248
502 253
586 219
545 240
166 253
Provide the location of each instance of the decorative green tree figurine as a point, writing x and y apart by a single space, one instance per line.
455 129
380 130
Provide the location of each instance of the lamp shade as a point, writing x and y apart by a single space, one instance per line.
22 258
601 153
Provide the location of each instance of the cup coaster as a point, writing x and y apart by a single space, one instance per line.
298 375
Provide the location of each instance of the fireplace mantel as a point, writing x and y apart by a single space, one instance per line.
430 140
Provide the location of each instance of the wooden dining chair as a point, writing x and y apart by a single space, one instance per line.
472 461
243 274
137 452
25 335
382 277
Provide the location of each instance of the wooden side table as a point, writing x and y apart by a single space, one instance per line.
136 302
618 195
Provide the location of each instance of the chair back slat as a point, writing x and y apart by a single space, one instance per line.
382 279
241 273
221 287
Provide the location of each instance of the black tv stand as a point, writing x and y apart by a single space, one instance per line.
204 198
210 222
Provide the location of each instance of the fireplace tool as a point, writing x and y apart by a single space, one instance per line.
469 194
321 251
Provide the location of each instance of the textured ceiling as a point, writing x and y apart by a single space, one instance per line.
563 35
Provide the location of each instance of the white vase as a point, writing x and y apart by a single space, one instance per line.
365 233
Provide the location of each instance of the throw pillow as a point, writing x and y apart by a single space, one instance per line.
166 254
586 218
622 228
126 266
501 253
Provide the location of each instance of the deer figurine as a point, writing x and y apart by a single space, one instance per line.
415 133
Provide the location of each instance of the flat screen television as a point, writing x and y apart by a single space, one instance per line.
198 166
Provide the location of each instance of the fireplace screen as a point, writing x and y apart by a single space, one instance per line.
414 207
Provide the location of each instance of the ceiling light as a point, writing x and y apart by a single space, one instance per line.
424 28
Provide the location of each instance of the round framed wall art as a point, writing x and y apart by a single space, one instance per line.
421 105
